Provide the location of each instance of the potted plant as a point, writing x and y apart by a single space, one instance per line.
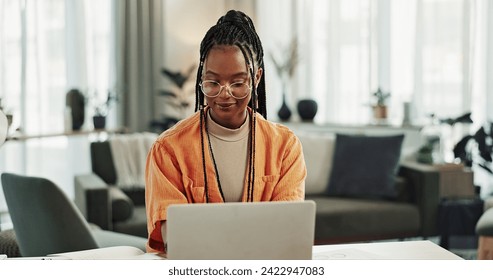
477 148
101 111
179 97
380 107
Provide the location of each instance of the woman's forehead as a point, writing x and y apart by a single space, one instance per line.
225 59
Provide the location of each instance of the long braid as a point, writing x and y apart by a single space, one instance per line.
206 191
236 28
253 104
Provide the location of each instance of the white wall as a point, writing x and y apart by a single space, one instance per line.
186 22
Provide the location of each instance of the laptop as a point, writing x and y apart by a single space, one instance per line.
241 231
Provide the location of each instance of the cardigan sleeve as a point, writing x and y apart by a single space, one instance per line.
291 185
163 187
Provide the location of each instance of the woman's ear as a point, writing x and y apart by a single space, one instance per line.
258 76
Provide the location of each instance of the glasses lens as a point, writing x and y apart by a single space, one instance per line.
210 88
239 90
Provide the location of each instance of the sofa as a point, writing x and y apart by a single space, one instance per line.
340 218
359 215
103 202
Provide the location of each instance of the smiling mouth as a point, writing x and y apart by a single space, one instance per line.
225 105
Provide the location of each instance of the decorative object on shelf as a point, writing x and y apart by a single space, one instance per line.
284 112
406 108
380 108
101 111
99 122
285 69
307 109
76 101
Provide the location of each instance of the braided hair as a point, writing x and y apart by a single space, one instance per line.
234 29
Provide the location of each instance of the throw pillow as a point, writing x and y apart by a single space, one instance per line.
365 166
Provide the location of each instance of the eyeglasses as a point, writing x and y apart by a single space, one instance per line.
236 90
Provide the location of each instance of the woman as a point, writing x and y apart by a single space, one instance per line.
227 151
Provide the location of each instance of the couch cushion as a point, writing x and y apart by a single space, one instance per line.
346 219
365 166
122 206
318 151
136 225
102 161
136 194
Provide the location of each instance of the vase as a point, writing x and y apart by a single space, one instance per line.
307 109
76 101
284 112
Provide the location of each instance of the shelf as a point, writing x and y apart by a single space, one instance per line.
21 137
335 126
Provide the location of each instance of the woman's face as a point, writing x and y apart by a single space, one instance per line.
226 65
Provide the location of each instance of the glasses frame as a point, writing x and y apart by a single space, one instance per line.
228 89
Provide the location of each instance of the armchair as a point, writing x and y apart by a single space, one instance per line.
102 202
46 221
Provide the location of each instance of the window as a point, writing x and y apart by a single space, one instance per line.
46 48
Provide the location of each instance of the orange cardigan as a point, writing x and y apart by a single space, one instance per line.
174 171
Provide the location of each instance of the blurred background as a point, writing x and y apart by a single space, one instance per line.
434 58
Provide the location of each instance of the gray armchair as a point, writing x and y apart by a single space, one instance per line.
46 221
105 204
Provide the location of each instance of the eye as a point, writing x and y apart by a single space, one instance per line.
237 85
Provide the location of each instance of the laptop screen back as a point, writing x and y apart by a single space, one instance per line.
241 231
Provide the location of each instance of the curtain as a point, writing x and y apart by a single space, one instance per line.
138 53
47 48
432 54
334 56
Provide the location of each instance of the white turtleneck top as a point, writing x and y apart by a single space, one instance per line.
230 148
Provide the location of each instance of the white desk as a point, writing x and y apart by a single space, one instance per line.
403 250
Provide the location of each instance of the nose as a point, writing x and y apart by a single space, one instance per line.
224 89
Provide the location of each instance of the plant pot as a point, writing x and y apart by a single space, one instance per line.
380 112
99 122
307 109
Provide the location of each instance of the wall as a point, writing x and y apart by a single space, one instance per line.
186 22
